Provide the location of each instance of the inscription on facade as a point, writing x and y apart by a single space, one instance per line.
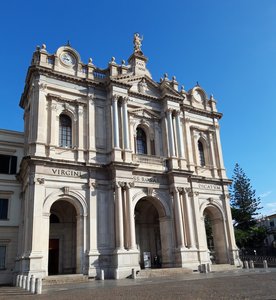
145 179
205 186
68 173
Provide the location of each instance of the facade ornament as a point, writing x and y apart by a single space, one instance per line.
112 60
137 41
92 183
211 200
66 190
149 191
40 180
90 61
123 62
80 110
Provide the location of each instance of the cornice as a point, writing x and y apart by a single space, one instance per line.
58 75
199 111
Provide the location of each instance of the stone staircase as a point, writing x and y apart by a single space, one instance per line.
223 267
150 273
63 279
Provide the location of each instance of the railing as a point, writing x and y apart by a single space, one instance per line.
99 75
258 259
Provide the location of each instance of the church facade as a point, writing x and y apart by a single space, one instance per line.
114 172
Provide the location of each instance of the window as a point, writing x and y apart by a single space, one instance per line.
4 209
2 257
271 223
65 131
8 164
201 154
141 141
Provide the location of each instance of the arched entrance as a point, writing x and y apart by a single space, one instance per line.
62 238
148 235
215 235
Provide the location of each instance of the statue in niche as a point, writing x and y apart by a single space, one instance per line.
142 86
137 41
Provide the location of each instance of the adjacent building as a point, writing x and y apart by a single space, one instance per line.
114 172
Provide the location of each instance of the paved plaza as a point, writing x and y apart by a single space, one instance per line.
242 284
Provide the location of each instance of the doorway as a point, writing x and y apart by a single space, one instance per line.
62 239
53 260
148 238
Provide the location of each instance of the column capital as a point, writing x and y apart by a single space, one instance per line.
115 98
169 111
125 99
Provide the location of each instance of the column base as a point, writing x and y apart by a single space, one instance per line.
182 163
124 262
117 154
187 258
173 163
127 156
235 258
93 268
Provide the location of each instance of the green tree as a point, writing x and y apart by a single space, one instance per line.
245 206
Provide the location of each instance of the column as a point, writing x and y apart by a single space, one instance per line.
220 157
189 144
53 129
214 165
119 217
115 122
190 218
170 133
179 135
132 237
157 138
178 220
125 124
80 133
91 126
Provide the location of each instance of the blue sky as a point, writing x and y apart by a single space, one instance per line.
229 47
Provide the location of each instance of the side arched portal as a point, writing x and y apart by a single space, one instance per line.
62 239
215 234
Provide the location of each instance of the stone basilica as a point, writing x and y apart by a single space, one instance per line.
114 171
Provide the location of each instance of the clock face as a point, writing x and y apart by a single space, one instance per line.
197 95
68 59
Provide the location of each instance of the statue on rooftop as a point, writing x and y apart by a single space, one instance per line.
137 41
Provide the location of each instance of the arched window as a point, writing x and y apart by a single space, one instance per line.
141 139
65 131
201 154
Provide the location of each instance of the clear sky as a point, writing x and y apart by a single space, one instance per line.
229 47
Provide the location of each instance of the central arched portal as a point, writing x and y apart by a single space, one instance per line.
62 239
148 235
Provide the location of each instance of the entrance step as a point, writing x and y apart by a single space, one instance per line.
148 273
62 279
223 267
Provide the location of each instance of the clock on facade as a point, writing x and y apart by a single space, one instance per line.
67 58
197 96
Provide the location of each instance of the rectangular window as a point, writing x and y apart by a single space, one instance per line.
4 209
271 223
8 164
2 257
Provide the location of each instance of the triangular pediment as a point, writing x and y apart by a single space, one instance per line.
144 113
167 90
143 85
